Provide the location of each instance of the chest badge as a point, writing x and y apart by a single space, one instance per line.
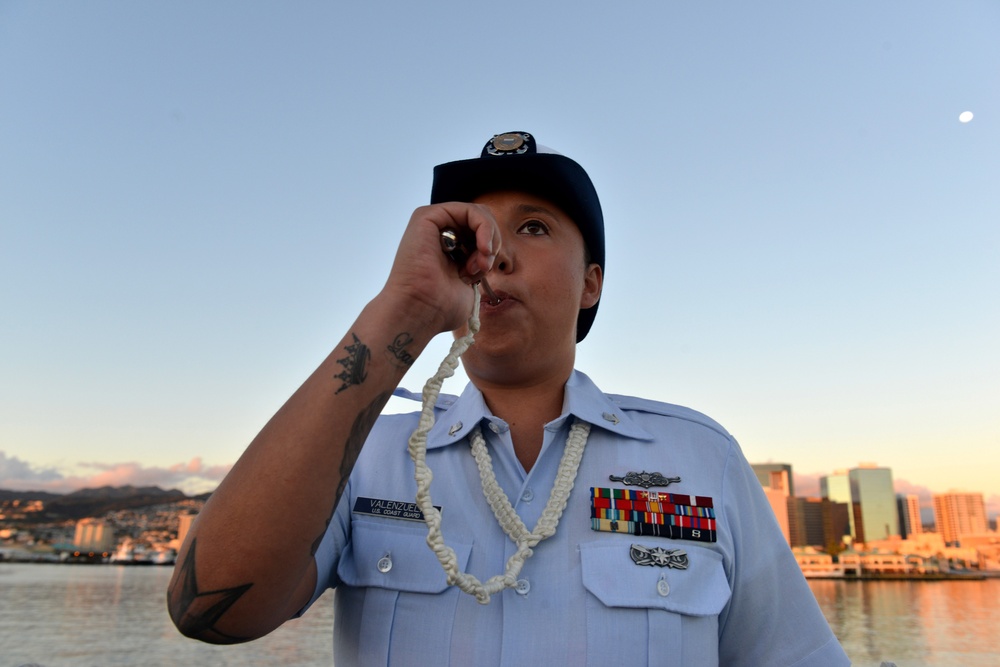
644 479
659 557
653 514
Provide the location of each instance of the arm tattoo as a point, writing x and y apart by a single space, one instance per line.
359 433
196 612
397 350
352 448
354 364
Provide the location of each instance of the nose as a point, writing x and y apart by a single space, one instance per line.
504 262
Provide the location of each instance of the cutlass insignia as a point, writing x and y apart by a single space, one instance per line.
645 479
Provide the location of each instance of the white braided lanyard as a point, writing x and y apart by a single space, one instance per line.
508 519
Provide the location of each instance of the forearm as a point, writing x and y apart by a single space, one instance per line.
245 566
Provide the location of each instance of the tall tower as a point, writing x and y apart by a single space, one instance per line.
876 517
908 507
957 513
764 474
837 488
777 484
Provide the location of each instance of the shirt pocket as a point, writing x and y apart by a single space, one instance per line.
394 594
639 614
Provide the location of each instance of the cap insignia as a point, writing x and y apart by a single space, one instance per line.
510 143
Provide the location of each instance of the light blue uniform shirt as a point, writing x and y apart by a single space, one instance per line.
581 600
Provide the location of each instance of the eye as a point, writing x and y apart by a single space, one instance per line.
534 228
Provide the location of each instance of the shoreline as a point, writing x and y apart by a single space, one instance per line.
972 576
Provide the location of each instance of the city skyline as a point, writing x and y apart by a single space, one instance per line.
803 485
196 200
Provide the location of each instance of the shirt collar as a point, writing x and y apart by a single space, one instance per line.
583 400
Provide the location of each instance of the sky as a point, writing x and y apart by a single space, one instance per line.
197 199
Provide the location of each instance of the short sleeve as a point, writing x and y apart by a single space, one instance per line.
772 617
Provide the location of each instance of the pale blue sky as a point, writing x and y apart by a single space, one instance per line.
196 199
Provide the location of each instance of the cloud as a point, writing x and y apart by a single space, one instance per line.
806 484
993 506
191 477
906 488
12 467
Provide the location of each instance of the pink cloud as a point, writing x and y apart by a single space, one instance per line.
191 477
806 484
907 488
993 506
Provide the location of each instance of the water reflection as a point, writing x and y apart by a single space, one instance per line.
914 623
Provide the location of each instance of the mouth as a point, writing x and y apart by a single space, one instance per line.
490 298
488 295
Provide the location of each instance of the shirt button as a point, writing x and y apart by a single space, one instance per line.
528 495
523 586
495 428
663 588
384 564
455 428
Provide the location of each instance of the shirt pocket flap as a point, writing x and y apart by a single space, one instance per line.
612 576
386 553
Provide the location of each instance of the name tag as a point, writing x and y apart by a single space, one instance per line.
391 509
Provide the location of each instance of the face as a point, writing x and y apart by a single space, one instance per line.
543 280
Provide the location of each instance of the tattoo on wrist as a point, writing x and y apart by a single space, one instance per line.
355 364
194 611
397 349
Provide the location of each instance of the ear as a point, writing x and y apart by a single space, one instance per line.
593 283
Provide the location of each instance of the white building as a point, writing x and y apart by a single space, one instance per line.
93 535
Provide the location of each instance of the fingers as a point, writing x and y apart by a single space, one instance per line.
476 230
422 275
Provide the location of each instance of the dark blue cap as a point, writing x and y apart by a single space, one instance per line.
514 161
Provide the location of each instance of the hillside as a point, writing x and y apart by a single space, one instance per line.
92 502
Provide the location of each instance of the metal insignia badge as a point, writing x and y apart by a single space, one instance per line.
511 143
659 557
644 479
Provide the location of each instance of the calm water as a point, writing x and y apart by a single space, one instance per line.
101 615
915 623
94 616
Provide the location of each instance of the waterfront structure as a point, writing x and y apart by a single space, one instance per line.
908 507
957 513
184 522
817 564
93 535
875 515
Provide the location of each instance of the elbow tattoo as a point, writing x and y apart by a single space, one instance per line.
195 612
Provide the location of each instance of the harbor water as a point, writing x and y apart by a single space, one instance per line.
108 615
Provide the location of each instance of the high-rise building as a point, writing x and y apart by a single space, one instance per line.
837 488
957 513
764 470
817 522
908 507
875 514
777 490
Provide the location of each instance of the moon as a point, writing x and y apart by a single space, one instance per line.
965 117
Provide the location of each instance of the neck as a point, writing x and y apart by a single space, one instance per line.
526 409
